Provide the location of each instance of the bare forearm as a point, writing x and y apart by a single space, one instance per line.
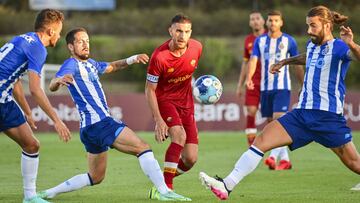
243 73
19 96
251 68
153 104
299 71
295 60
54 86
355 50
44 103
117 65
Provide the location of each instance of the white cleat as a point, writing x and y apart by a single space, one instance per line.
216 185
356 187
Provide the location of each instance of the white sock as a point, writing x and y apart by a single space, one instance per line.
275 153
29 169
74 183
151 168
244 166
284 154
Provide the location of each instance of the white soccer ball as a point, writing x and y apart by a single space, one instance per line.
207 89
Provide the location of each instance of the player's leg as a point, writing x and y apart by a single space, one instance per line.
97 168
15 127
349 156
283 155
252 99
274 135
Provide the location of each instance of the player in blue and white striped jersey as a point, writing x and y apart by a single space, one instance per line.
318 116
98 130
23 53
270 48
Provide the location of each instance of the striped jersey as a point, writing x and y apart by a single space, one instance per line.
22 53
326 67
86 90
269 51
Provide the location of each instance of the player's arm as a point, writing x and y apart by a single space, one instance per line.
251 71
299 73
58 82
161 128
123 63
19 96
242 77
347 36
295 60
40 97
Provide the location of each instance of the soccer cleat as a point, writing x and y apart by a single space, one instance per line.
35 199
356 187
216 185
270 162
284 165
169 196
43 195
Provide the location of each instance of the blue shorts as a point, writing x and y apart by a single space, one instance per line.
10 116
307 125
274 101
99 136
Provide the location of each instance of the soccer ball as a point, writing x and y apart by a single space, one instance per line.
207 89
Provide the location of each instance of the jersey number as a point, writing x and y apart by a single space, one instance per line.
5 50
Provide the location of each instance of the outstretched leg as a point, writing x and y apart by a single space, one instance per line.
349 156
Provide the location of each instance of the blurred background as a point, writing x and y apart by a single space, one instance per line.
120 28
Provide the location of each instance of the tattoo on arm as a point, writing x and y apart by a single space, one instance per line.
296 60
116 65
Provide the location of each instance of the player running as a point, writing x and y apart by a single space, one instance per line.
252 97
23 53
98 130
169 94
319 114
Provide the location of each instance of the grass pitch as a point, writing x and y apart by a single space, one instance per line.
317 174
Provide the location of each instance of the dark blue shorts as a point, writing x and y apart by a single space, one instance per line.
307 125
99 136
10 116
274 101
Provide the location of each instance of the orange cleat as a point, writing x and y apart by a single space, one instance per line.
284 165
270 162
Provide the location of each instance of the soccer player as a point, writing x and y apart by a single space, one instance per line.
270 48
252 97
319 114
98 130
169 94
23 53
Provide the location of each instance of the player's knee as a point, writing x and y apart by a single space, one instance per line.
179 138
32 146
141 147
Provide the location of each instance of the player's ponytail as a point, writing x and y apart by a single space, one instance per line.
339 18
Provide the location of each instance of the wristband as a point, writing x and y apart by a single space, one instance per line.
131 59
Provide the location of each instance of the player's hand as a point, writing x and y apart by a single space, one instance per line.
250 84
66 80
275 68
142 58
161 131
30 121
346 34
239 91
63 131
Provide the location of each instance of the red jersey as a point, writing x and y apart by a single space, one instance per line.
248 46
173 74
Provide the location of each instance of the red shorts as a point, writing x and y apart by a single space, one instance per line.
252 97
174 115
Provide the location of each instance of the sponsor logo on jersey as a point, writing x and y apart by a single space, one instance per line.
179 79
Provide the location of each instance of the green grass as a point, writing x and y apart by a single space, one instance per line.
317 175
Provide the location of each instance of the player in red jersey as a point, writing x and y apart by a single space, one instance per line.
169 94
252 97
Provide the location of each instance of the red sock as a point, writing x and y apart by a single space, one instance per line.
182 168
250 122
172 157
250 130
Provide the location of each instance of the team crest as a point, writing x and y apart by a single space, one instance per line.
193 63
170 70
325 51
281 46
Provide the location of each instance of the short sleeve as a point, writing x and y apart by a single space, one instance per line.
154 69
256 48
293 50
343 51
36 55
68 67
